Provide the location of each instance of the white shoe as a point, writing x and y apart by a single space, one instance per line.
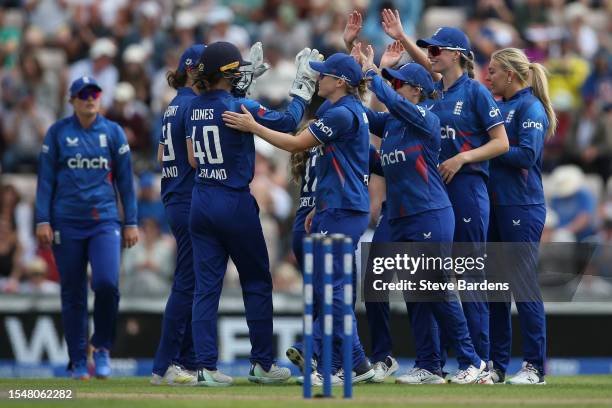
527 375
469 375
497 376
176 376
275 375
356 378
384 369
208 378
316 379
418 375
485 378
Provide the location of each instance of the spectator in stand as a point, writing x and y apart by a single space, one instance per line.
585 36
36 282
43 83
598 85
283 25
24 129
10 35
220 19
10 258
146 31
136 73
149 268
185 25
149 202
574 204
589 145
99 65
19 215
133 116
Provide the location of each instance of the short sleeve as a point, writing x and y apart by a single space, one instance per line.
334 123
487 111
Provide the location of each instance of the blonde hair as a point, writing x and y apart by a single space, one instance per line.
358 91
467 64
297 162
515 60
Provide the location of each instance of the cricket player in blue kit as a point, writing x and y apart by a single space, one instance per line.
307 174
342 201
175 356
84 160
418 208
518 209
472 133
224 218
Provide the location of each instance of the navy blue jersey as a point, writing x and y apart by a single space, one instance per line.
467 111
309 183
342 170
408 153
177 173
226 156
516 176
80 171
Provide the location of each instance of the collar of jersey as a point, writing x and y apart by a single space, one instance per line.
520 94
216 93
93 125
343 100
185 90
461 80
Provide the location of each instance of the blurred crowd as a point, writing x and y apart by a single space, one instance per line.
129 45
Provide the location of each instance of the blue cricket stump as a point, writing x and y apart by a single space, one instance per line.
313 244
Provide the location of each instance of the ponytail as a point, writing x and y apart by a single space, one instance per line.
467 63
539 83
297 162
358 91
176 79
515 60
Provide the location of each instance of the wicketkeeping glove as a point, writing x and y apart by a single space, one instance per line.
306 77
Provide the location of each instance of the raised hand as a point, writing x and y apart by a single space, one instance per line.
369 59
392 24
306 77
392 55
357 54
256 57
352 28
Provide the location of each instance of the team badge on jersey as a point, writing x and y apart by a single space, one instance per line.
458 108
103 141
510 116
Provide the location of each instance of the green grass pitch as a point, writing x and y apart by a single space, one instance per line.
577 391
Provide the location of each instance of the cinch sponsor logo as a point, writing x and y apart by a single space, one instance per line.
323 128
79 162
532 124
392 157
124 148
447 132
494 112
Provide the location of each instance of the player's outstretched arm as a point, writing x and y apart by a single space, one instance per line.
246 123
392 24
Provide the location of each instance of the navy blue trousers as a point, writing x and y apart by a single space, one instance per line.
75 245
470 199
176 342
223 223
430 319
519 224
